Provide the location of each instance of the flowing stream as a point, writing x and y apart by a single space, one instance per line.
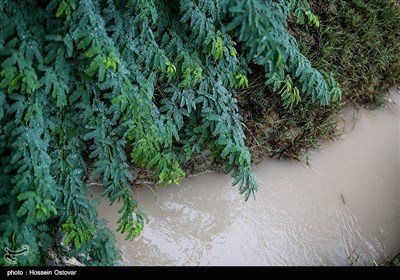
341 208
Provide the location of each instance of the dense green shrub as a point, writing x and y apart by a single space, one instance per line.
83 82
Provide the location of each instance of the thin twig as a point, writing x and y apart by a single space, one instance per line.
145 183
252 135
95 184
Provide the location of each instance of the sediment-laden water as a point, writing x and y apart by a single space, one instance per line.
344 205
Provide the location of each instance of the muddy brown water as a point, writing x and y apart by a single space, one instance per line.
345 203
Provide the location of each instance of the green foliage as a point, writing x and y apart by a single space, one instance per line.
86 81
302 11
359 41
264 37
290 94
